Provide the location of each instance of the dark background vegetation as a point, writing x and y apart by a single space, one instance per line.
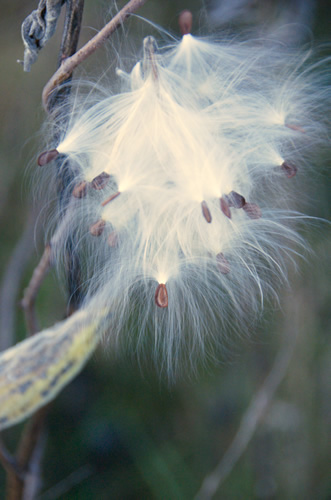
118 433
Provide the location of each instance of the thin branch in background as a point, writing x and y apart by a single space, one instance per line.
11 281
31 292
9 462
65 485
67 67
33 476
28 459
257 408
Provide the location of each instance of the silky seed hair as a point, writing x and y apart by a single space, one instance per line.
184 189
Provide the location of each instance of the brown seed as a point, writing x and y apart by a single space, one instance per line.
113 239
80 190
252 210
225 207
222 263
111 198
185 22
235 200
296 128
47 157
100 181
161 296
205 211
289 169
97 228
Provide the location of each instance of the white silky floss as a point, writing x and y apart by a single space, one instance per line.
182 194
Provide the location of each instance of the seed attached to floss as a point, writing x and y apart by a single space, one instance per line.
97 228
206 212
289 169
150 48
252 210
185 22
113 239
225 207
295 127
111 198
100 181
80 190
235 200
222 263
161 296
47 157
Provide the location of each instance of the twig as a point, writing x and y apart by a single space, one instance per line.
68 65
33 477
252 417
30 293
28 454
9 462
66 484
11 282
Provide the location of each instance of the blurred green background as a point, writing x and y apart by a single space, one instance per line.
117 432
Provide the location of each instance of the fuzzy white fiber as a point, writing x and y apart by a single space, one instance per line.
184 189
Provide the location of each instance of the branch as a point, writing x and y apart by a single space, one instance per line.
31 292
251 418
28 458
9 462
68 65
11 282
